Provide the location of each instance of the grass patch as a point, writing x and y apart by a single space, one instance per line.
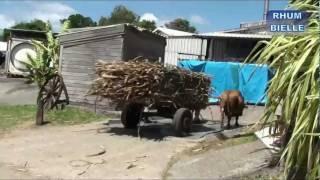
240 140
72 115
13 116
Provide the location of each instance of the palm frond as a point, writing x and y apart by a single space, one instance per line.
296 82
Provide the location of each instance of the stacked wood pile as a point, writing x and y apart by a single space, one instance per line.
123 82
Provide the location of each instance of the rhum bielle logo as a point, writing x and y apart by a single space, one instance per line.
286 21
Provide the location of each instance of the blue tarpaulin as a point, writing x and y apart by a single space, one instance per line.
250 79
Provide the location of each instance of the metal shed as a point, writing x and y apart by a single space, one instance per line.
182 45
82 48
231 46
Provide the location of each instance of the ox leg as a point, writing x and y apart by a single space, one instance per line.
237 124
222 118
196 119
229 119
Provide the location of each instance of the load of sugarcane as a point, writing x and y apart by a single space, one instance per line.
136 81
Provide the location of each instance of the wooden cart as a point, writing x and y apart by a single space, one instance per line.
133 112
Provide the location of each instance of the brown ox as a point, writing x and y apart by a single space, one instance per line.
231 105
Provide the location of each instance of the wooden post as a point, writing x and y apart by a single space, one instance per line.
39 116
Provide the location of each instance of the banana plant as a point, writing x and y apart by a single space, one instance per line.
45 63
296 82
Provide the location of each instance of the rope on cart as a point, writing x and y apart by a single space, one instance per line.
211 132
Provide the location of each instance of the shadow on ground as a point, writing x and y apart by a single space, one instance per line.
161 128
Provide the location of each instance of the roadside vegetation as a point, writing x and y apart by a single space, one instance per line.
15 116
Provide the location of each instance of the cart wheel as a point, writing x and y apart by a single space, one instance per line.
53 93
182 120
130 115
166 112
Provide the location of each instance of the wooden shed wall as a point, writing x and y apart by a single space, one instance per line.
82 49
138 43
78 68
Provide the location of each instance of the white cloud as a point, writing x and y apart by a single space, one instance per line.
149 17
5 21
52 11
162 22
29 10
196 19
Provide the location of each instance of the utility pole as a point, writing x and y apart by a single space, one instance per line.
319 100
266 9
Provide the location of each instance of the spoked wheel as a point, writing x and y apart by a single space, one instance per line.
53 94
182 121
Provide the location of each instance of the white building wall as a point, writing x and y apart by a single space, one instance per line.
190 46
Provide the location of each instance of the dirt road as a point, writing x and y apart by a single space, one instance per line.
62 151
14 91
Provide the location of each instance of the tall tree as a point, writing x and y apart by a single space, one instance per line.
79 21
181 25
150 25
103 21
120 14
35 24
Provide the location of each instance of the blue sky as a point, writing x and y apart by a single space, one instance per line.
206 16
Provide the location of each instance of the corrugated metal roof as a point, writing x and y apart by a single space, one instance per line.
172 32
26 30
233 30
91 28
77 30
245 26
235 35
253 24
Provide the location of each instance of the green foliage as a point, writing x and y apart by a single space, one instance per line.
181 25
296 61
46 62
120 14
35 24
150 25
103 21
79 21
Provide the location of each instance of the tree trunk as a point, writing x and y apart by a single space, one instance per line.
39 116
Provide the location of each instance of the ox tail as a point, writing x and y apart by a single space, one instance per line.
228 106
